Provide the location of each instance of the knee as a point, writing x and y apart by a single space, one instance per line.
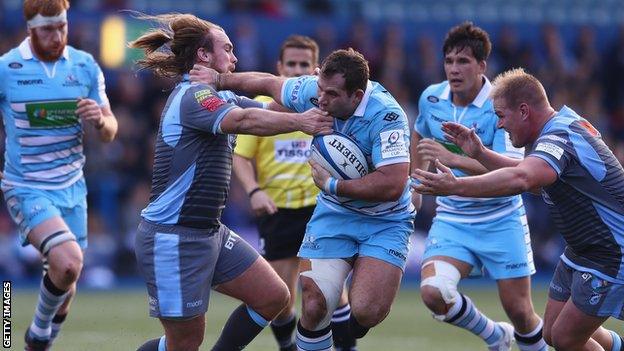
561 340
66 267
276 301
432 298
521 315
369 314
314 307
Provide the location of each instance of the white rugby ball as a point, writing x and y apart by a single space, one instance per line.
339 155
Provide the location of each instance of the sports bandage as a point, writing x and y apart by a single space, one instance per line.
329 275
331 186
54 240
40 21
445 280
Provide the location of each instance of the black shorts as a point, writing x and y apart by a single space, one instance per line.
281 234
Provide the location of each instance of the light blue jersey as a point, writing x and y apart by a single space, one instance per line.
490 234
38 101
379 127
435 107
342 227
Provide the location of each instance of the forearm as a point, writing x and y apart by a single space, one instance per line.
468 165
252 83
244 171
108 129
502 182
492 160
263 122
374 187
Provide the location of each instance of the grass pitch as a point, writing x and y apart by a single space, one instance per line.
118 321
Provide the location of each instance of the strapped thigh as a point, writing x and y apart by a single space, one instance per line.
55 239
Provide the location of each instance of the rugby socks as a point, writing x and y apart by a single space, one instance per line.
343 341
240 329
50 300
57 322
465 315
356 330
284 332
532 341
618 342
154 345
308 340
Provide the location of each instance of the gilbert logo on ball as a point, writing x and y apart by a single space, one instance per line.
340 156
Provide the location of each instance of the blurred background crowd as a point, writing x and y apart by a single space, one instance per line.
576 48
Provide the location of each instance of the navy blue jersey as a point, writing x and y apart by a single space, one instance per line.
587 200
193 157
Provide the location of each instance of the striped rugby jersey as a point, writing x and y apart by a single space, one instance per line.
193 158
38 102
587 200
436 107
379 127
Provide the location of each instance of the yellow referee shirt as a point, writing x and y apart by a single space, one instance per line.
281 166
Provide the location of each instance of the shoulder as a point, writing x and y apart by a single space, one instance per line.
11 60
82 58
431 94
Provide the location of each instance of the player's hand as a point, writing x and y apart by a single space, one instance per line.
442 183
430 150
464 137
89 111
315 121
319 174
262 204
204 75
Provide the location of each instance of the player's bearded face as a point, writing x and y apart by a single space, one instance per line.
334 98
49 41
223 59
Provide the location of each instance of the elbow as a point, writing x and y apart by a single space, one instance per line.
393 194
523 183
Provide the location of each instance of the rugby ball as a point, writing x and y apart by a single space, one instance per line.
339 155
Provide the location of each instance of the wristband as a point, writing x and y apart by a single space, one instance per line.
253 191
331 186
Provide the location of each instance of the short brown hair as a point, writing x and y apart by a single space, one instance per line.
44 7
183 34
351 64
516 86
300 42
467 35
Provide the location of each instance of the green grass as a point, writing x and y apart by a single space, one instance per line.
118 321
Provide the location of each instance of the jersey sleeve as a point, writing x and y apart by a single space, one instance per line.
420 124
240 101
299 93
203 109
554 148
98 86
391 138
502 145
3 79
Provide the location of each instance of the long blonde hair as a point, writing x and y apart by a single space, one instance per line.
171 49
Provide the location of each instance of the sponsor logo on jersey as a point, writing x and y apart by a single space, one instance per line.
314 101
71 81
433 99
29 81
512 266
295 151
15 65
393 144
551 149
395 253
437 119
296 88
391 117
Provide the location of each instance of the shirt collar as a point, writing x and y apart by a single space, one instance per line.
359 111
479 100
26 52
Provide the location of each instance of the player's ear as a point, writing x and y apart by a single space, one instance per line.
483 66
359 95
204 56
524 110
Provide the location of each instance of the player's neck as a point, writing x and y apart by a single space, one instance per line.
466 98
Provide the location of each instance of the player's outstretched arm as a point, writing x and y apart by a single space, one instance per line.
252 83
467 139
430 150
261 122
386 183
529 174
